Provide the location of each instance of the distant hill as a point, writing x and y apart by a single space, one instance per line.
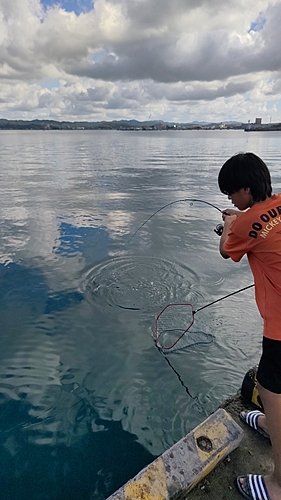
115 124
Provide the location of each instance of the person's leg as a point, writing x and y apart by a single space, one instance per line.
272 408
269 389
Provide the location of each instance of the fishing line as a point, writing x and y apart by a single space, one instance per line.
179 377
169 321
191 200
195 398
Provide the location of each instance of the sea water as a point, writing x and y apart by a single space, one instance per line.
86 398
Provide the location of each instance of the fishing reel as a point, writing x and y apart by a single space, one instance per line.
219 229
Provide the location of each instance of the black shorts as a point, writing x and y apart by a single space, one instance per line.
269 370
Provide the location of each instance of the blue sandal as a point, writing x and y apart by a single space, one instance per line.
256 489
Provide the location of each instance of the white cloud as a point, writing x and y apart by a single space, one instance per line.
173 60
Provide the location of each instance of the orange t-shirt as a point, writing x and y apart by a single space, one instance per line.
257 233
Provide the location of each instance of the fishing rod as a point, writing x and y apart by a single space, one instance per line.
218 229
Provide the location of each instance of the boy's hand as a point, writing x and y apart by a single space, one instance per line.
229 219
230 212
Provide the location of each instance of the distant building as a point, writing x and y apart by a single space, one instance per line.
257 126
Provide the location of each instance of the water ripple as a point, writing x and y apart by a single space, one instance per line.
138 283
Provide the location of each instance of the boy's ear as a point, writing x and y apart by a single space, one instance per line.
247 190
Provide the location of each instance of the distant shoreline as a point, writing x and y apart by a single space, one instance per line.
133 125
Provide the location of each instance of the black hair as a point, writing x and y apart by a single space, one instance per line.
245 170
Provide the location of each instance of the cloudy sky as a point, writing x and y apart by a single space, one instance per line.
174 60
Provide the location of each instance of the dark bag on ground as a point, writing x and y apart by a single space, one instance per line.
249 391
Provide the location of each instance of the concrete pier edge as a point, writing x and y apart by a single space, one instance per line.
180 468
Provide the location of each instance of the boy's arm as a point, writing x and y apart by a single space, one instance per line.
227 223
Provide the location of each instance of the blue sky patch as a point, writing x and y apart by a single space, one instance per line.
99 55
50 83
258 24
77 6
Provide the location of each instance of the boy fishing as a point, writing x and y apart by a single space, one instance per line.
254 229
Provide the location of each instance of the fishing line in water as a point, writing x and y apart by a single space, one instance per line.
172 325
191 200
195 398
